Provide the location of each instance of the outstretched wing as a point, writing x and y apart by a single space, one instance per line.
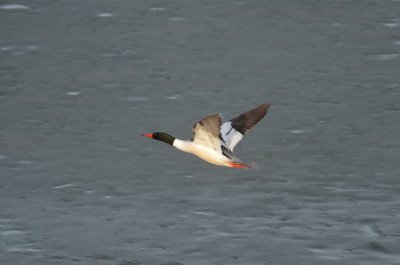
206 132
233 131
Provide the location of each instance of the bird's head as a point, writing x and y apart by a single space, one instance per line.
160 136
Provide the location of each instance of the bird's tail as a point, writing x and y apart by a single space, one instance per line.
251 165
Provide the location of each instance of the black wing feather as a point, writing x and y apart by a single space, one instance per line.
247 120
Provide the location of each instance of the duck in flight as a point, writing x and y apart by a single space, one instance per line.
214 141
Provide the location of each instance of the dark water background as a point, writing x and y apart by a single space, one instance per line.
81 80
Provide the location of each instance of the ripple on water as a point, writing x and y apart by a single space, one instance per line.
25 162
26 248
137 98
156 9
105 15
176 18
203 213
378 247
12 232
385 57
338 190
174 97
331 254
21 49
73 93
65 186
371 231
297 131
101 257
14 7
393 24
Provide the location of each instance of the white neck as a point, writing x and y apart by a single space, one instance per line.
182 145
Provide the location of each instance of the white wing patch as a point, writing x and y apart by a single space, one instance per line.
230 136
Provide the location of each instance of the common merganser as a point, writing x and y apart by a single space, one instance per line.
214 142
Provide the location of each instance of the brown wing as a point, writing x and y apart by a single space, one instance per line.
247 120
206 132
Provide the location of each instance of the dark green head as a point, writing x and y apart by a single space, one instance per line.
160 136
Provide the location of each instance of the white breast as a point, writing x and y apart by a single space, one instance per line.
205 153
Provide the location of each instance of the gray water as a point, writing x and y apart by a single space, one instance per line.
81 80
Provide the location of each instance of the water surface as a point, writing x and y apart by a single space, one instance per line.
80 81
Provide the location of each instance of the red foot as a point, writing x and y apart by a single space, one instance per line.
238 165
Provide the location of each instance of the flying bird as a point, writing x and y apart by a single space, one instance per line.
214 141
